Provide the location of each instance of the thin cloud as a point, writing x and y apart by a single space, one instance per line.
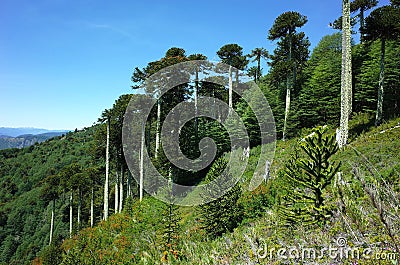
113 29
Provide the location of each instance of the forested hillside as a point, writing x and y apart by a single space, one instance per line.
24 208
26 140
333 181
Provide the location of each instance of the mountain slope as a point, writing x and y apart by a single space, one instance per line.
24 214
137 236
26 140
14 132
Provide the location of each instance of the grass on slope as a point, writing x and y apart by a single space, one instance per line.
366 218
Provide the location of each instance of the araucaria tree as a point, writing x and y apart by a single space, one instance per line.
232 55
224 213
384 24
106 117
284 28
362 6
50 192
309 177
257 54
319 98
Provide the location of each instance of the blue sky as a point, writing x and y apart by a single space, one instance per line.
62 62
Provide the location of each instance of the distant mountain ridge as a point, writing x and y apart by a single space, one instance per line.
23 137
15 132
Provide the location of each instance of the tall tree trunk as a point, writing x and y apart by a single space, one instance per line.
141 166
92 207
79 207
196 91
107 171
128 185
287 108
148 144
346 81
379 109
214 102
121 189
70 213
116 192
52 221
258 68
158 124
361 24
230 88
288 90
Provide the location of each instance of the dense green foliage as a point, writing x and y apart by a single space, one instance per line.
225 213
66 174
307 179
24 213
319 100
137 235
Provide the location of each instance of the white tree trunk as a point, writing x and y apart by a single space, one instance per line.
116 192
230 89
121 189
141 166
196 91
128 184
346 81
92 208
79 207
379 110
52 221
158 127
107 172
287 109
70 214
288 90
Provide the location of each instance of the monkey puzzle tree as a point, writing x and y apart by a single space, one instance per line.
307 179
194 57
69 180
50 192
224 213
319 98
117 113
253 72
362 6
92 173
257 54
384 24
106 116
173 56
284 28
232 54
